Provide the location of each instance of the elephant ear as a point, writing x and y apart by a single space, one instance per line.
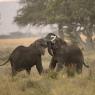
40 45
59 43
42 50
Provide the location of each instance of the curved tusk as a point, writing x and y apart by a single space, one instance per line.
53 38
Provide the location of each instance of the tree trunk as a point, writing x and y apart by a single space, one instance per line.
60 31
89 35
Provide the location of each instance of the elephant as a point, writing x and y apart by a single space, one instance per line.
23 58
64 54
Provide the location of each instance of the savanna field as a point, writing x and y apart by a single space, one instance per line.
47 84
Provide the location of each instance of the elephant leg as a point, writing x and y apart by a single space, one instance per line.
13 68
28 71
71 67
13 71
59 67
39 67
79 68
52 64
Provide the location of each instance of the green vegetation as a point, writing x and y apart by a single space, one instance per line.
70 13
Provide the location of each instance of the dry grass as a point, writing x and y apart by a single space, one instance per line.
20 41
22 84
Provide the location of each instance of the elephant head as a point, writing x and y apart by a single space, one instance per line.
41 44
54 42
51 37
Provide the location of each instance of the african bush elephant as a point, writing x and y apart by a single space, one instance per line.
23 58
64 54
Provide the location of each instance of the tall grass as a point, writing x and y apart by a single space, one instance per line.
47 84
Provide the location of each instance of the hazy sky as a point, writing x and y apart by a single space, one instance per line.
8 11
7 0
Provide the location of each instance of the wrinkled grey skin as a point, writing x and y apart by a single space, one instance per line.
64 54
23 58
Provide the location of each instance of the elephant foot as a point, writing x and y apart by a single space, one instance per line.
79 71
28 71
14 72
71 70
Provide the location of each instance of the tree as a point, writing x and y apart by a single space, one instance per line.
71 13
39 12
32 12
86 17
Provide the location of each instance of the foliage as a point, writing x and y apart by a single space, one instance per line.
71 13
56 11
32 12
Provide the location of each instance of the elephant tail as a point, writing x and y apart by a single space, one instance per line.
5 63
85 65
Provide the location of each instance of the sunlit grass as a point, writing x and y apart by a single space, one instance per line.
47 84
